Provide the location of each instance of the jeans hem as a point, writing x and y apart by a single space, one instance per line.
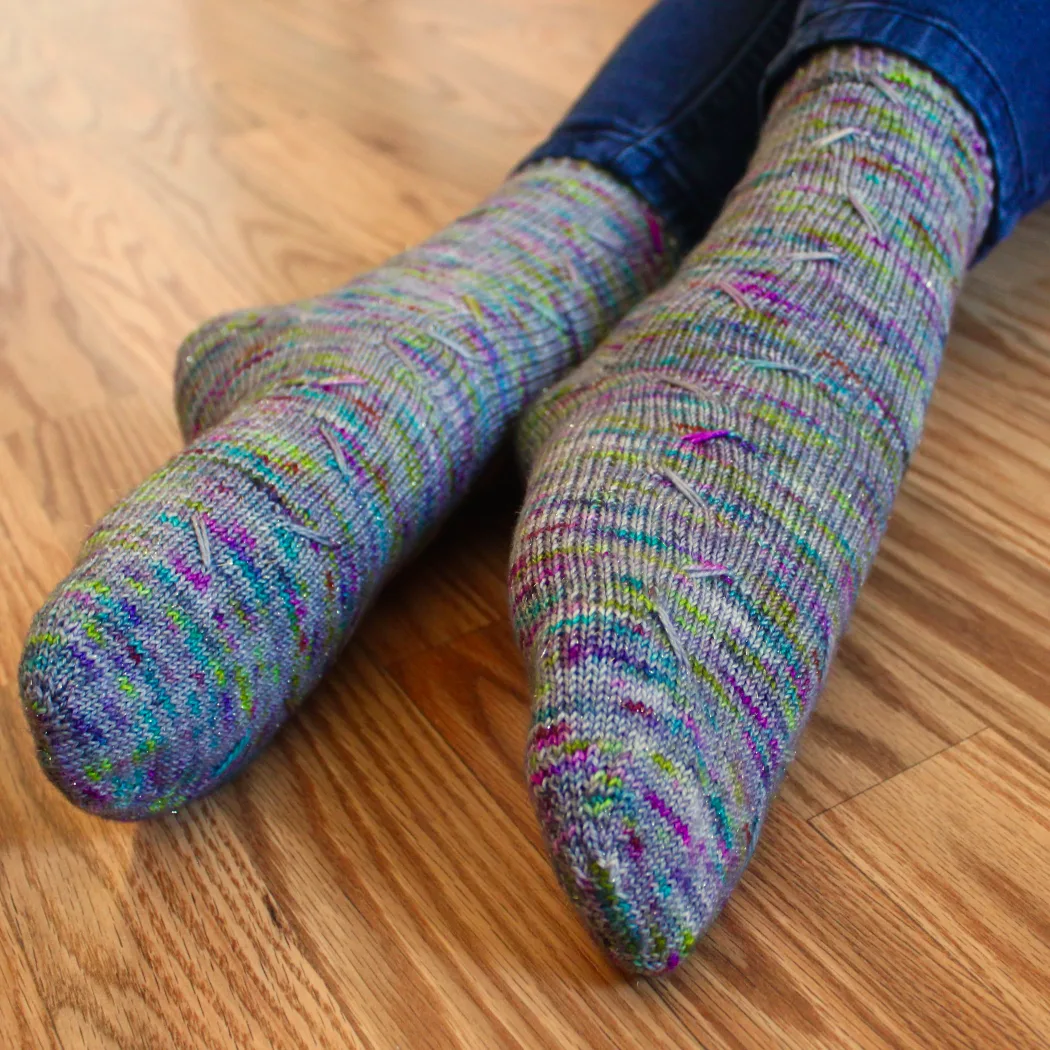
670 157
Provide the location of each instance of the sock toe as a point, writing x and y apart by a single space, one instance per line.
173 650
105 731
101 707
636 846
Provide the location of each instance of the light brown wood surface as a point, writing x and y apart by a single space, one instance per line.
376 880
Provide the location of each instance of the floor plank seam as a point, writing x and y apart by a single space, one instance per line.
900 772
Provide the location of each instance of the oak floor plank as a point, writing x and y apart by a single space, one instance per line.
52 358
833 963
395 826
111 240
977 614
806 955
79 464
31 560
883 711
962 843
24 1021
132 945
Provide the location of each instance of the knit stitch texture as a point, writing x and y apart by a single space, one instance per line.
331 436
709 490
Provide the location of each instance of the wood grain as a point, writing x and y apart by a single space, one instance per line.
962 843
377 880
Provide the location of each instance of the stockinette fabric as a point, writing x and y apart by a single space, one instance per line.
327 439
708 492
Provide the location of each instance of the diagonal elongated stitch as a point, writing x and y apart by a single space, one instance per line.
333 442
536 305
734 293
685 488
884 88
775 366
706 572
671 631
311 534
835 136
807 257
862 209
598 235
656 233
200 531
334 382
454 345
684 384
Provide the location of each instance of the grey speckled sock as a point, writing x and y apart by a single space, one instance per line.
708 493
329 437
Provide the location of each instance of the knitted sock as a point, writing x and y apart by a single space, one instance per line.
333 435
709 490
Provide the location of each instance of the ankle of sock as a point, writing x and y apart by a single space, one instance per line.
521 288
869 170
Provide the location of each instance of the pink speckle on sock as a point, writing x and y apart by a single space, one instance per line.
701 437
656 233
669 815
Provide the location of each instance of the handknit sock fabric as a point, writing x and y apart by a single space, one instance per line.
708 492
330 436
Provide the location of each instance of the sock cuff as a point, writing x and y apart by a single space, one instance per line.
905 100
582 182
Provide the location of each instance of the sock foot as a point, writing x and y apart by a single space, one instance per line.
708 491
330 437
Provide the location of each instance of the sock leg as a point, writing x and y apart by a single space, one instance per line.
330 436
708 493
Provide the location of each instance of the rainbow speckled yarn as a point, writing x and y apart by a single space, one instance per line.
709 490
334 434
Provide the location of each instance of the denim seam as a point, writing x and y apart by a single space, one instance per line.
612 129
662 160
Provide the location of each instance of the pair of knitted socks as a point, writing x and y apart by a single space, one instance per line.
706 493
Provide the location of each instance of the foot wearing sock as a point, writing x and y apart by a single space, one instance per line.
708 493
330 436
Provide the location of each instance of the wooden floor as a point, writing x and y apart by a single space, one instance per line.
376 879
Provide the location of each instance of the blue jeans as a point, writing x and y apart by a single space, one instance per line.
676 111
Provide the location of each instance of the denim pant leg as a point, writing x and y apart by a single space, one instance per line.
675 112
